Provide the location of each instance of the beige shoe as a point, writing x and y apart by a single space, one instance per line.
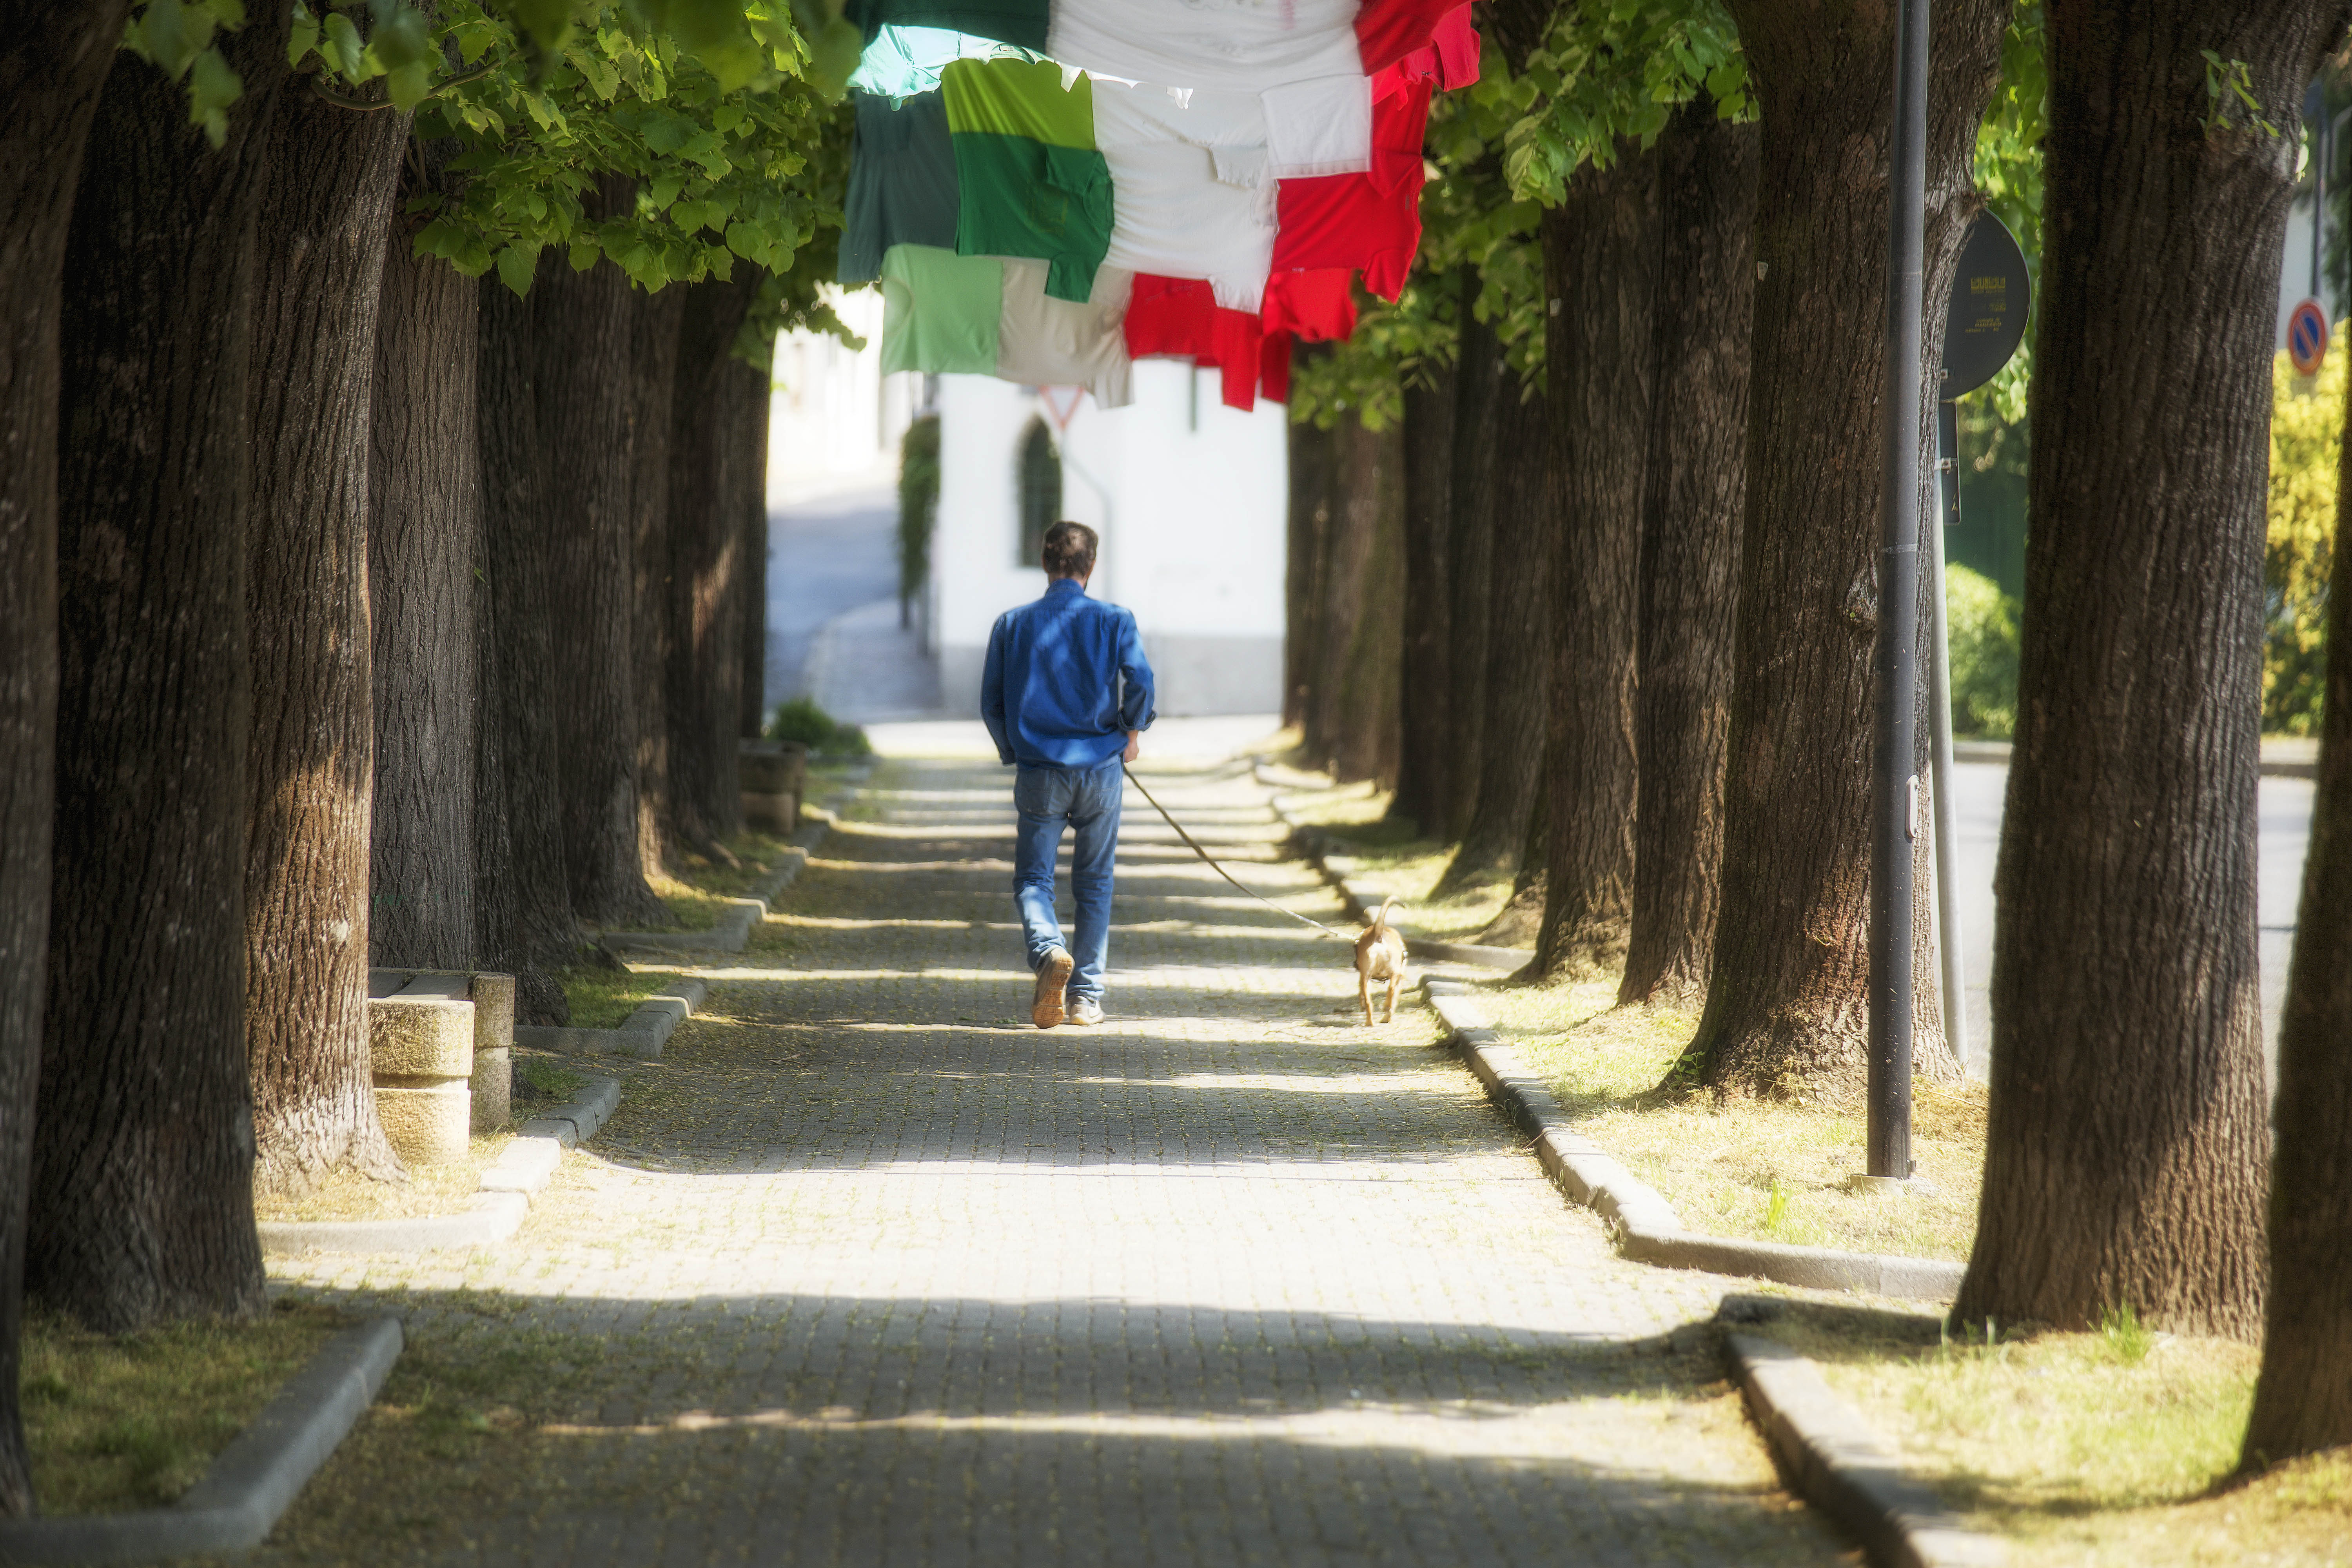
1086 1010
1045 1009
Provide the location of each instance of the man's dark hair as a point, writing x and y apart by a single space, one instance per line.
1070 549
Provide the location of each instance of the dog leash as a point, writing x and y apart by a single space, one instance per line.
1220 870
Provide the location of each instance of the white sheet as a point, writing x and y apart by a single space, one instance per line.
1236 46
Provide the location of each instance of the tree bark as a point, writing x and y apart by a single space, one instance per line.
53 62
1788 1006
1480 381
1520 919
1426 680
2303 1399
327 203
1601 261
654 326
1695 485
142 1192
424 534
1519 640
583 339
1352 722
753 388
540 932
702 692
1309 520
2125 1153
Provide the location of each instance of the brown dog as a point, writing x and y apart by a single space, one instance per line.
1380 955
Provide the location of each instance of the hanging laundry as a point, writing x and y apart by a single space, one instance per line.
902 182
1177 318
1323 126
1369 222
1450 57
904 61
941 312
1236 46
1019 21
1191 196
991 315
1387 30
1029 179
1318 306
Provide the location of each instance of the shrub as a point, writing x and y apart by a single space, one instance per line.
2306 435
918 507
1982 621
802 720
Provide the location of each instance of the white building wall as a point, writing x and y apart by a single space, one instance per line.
1190 498
835 420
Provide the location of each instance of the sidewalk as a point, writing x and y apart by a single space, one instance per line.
865 1270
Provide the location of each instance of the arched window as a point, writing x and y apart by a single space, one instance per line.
1041 490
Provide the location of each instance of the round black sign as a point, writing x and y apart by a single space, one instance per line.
1992 297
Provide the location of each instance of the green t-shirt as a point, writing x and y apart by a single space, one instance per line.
1030 180
940 311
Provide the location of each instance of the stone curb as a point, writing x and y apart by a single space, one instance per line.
500 1204
1362 899
1650 1230
734 928
642 1034
2282 757
1833 1460
252 1482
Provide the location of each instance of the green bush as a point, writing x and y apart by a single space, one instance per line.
918 507
1982 624
802 720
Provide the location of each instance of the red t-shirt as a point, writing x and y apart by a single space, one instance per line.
1369 222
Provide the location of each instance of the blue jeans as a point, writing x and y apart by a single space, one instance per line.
1086 799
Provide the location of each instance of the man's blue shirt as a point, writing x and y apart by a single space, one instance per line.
1066 681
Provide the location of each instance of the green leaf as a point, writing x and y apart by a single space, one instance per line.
409 85
212 88
584 253
517 266
304 36
546 22
343 49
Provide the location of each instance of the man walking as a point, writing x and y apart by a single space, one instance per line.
1064 693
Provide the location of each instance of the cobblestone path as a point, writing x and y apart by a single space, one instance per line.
865 1270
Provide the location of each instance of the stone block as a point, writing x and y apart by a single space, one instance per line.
771 767
430 1124
421 1036
494 1010
772 812
492 1086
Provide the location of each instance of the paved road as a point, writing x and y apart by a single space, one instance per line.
2284 834
825 556
864 1271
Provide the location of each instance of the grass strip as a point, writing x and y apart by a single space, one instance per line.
120 1422
603 999
1766 1170
2114 1447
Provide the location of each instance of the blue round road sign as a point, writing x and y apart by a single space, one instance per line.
2307 337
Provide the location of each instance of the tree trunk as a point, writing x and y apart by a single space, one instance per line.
753 390
1480 380
1352 707
2125 1155
581 329
1695 485
1601 259
1788 1004
542 932
2303 1400
1519 640
423 534
1308 517
52 65
324 211
654 327
706 537
141 1192
1427 675
1521 917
